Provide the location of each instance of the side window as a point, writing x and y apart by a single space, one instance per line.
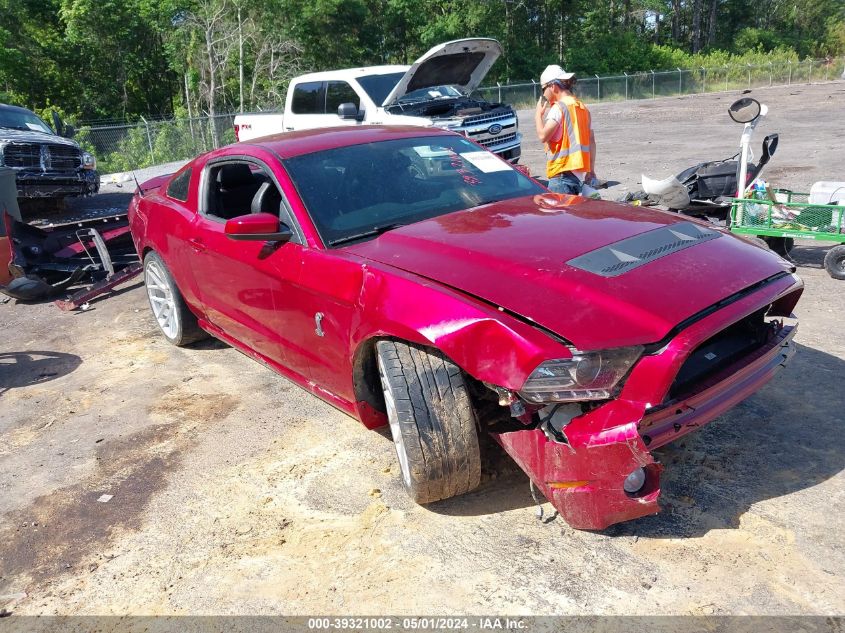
307 98
178 187
338 92
236 188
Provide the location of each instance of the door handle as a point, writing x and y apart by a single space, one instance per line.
197 245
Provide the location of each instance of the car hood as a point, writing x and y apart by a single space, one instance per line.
10 135
597 273
461 63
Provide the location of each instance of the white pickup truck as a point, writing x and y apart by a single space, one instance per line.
434 91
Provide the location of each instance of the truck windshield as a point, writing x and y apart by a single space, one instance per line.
22 120
357 192
379 86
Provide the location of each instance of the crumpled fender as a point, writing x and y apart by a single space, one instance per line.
489 345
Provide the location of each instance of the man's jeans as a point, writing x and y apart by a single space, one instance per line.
567 182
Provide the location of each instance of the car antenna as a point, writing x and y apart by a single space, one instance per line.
137 184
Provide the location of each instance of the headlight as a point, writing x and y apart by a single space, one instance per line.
585 376
88 161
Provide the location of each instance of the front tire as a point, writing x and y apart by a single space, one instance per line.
431 420
176 322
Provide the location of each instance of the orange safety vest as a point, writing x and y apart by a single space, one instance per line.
572 151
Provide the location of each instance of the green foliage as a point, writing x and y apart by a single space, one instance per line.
122 59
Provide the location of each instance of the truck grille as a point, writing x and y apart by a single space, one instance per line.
497 140
488 118
22 155
28 156
64 157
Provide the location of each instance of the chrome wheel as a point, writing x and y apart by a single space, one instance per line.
162 299
395 431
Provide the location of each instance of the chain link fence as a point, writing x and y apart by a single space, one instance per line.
671 83
122 147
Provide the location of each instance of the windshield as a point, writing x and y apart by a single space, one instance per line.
379 86
358 192
22 120
434 92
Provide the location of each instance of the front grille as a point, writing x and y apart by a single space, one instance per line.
719 352
64 157
488 118
497 140
22 155
29 156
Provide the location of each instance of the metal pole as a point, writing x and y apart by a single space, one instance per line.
652 84
534 89
240 62
771 74
680 82
598 88
149 140
500 91
727 69
749 75
703 79
626 85
789 81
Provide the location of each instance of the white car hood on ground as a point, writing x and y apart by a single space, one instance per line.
462 63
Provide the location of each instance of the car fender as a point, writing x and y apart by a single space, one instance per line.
488 344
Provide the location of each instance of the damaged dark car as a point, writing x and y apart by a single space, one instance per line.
47 163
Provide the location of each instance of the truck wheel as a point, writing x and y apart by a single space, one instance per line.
176 321
834 262
431 420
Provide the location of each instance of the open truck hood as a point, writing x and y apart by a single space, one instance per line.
461 63
571 269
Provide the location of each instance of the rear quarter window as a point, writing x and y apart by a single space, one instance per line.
178 187
307 98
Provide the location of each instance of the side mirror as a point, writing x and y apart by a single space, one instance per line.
258 227
770 146
70 131
744 110
348 111
57 123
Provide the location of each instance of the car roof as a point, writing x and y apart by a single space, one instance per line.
6 106
297 143
352 73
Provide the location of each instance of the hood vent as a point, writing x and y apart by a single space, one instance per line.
633 252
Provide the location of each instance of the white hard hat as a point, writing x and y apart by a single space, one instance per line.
554 72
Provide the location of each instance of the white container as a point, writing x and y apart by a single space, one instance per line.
827 192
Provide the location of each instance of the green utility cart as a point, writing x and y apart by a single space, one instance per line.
790 216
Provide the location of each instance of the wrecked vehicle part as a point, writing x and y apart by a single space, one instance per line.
585 466
45 262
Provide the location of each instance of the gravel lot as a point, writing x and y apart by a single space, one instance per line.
235 492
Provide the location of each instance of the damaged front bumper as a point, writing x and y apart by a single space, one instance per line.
583 475
40 184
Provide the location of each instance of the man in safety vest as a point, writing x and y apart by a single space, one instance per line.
564 127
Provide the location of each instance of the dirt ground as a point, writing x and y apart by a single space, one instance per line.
235 492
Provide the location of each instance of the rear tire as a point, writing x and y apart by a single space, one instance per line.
834 262
431 420
176 322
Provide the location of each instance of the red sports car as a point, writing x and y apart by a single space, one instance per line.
409 277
